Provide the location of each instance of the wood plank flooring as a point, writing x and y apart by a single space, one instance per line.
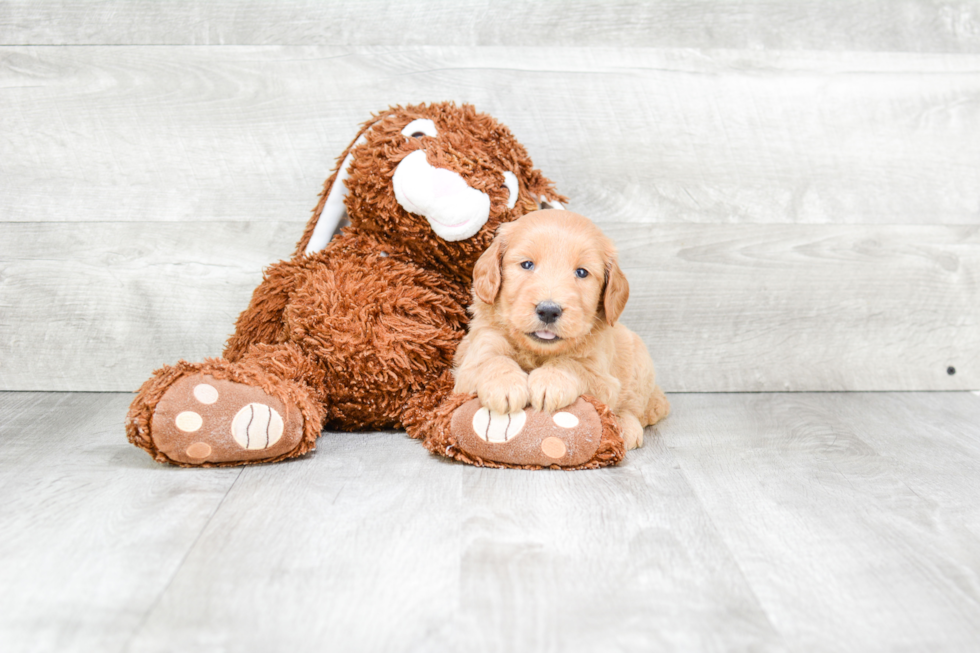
90 536
818 522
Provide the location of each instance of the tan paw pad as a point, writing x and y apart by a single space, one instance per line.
553 447
199 450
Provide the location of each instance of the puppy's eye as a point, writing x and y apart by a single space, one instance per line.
527 265
581 273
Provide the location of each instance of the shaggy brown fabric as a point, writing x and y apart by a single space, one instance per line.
262 322
361 334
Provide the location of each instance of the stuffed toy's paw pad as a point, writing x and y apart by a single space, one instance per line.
203 420
566 438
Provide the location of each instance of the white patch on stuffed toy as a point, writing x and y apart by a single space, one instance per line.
205 393
454 209
334 211
545 203
257 426
565 420
188 421
510 181
498 427
419 128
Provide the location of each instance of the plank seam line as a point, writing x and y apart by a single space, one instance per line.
180 565
723 540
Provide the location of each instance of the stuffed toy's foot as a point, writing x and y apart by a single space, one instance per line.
584 435
203 419
217 414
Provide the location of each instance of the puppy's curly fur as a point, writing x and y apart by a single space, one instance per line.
548 294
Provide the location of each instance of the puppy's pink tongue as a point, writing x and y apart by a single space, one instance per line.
545 335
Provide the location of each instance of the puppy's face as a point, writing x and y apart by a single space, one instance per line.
549 280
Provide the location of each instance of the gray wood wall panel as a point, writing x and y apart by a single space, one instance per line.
629 134
791 307
885 25
790 186
98 306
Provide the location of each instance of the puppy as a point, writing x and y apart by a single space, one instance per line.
547 296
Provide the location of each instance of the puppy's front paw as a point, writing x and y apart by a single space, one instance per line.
632 431
506 394
552 389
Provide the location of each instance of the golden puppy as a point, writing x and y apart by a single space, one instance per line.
548 293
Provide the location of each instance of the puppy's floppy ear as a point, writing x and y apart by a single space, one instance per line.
487 272
615 293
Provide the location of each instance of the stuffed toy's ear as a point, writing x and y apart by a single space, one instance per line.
615 293
331 211
547 202
486 272
542 190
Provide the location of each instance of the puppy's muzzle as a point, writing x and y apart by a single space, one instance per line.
548 312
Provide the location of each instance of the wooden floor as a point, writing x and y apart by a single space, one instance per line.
825 522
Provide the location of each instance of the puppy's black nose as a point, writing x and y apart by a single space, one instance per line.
548 312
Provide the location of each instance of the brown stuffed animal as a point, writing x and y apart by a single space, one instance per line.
358 331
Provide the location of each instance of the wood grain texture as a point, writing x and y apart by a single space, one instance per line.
845 509
93 529
886 25
630 134
353 548
99 306
722 308
621 560
805 307
752 522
